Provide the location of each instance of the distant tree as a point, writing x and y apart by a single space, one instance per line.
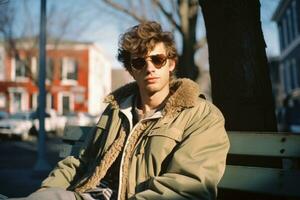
181 15
241 85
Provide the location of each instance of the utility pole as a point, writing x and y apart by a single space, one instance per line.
42 165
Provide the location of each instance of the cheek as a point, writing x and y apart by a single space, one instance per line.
134 75
171 66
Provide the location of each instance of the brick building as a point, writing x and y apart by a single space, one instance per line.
78 76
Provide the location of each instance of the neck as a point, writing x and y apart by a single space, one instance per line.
151 101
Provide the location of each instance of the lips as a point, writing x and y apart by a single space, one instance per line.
151 79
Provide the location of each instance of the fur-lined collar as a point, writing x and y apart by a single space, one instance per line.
184 94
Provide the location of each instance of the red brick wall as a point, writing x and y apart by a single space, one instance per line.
54 87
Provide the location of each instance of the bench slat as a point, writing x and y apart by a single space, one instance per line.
76 133
70 150
262 180
264 144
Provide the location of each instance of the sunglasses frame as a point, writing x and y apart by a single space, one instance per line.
144 60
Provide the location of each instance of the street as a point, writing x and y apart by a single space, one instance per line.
17 160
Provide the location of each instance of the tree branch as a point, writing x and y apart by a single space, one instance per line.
168 15
125 10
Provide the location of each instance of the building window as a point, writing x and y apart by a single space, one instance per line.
2 68
49 69
65 103
282 75
288 76
285 34
2 101
281 39
20 69
295 19
18 100
295 73
69 70
290 26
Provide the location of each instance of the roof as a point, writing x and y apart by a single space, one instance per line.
280 9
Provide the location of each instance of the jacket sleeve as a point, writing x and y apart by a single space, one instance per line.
198 162
68 169
62 175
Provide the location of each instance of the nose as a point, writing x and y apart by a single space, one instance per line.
149 65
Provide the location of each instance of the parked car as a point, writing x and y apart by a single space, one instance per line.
53 122
18 124
3 115
80 119
22 124
57 121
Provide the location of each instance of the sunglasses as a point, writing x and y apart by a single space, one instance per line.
158 61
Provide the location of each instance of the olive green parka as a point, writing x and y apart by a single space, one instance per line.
178 153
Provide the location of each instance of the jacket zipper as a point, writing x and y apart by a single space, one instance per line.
123 153
122 159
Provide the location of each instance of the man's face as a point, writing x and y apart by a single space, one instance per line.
151 77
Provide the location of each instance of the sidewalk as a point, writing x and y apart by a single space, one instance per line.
17 160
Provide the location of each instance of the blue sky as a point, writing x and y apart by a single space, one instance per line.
269 27
93 21
114 28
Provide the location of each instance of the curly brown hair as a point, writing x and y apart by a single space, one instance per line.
141 39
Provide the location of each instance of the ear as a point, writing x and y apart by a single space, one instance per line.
172 65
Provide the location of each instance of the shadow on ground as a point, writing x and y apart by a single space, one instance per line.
17 161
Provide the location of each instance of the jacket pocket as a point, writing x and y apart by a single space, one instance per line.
158 144
171 133
158 137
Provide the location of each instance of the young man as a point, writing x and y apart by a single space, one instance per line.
156 139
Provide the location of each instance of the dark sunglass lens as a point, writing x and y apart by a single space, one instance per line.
138 63
158 60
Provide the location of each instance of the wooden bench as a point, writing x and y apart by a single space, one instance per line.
265 163
262 163
73 139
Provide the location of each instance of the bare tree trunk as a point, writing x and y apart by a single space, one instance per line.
241 85
188 12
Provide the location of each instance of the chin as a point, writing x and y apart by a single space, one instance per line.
151 89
